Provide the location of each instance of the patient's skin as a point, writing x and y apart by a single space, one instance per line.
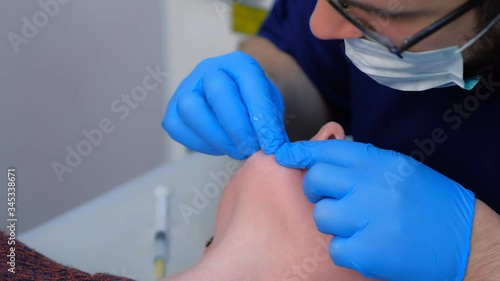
265 229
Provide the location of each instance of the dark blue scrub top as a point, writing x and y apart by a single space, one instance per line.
454 131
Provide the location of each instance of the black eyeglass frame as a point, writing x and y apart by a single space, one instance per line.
409 41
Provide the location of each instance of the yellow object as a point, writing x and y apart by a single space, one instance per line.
247 19
159 269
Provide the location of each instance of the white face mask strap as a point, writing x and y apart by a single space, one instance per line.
479 35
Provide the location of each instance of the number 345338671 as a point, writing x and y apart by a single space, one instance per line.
11 192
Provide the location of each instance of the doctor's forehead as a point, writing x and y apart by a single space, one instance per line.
405 4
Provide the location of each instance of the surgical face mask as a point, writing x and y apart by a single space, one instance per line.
415 71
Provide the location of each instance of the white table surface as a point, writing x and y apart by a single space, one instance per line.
114 232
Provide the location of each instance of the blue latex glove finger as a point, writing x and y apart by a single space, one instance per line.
180 132
269 125
200 130
406 221
335 216
304 154
264 104
218 86
216 137
344 252
316 186
195 142
254 99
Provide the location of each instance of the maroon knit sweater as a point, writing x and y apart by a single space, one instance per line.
33 266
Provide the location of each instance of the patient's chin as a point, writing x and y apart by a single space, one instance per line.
261 179
330 130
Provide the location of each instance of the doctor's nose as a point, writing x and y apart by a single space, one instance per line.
326 23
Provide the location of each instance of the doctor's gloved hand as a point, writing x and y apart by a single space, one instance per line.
393 218
227 106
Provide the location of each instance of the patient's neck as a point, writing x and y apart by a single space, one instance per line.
234 262
230 265
214 268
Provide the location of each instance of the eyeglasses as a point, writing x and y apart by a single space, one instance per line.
347 12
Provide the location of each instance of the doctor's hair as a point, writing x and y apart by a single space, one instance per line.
483 53
488 11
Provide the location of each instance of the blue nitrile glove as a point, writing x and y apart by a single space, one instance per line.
227 106
393 218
